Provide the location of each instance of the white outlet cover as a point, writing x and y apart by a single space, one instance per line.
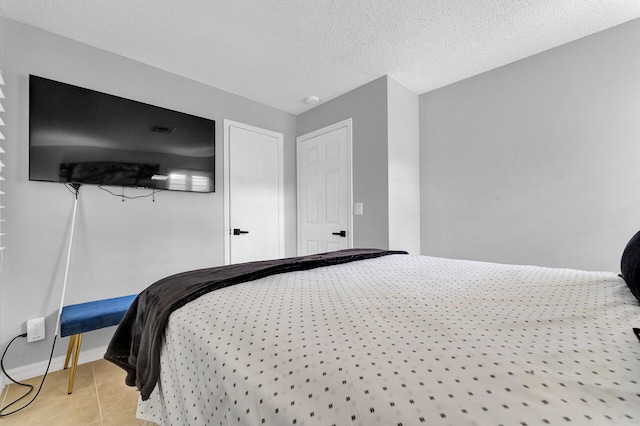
35 329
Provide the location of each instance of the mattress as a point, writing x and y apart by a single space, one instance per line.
404 340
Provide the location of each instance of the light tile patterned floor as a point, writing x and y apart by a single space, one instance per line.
100 398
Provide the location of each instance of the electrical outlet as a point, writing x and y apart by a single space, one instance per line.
35 329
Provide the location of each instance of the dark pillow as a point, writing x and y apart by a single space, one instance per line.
630 265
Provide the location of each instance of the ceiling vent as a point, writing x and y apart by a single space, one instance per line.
162 129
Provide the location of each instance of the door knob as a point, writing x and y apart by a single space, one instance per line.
341 233
237 231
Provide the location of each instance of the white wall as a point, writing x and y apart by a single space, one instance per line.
537 162
120 247
404 168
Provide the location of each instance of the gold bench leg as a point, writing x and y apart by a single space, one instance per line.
72 342
74 346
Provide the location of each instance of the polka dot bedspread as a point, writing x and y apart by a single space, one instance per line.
404 340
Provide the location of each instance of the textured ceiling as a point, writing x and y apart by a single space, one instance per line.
278 52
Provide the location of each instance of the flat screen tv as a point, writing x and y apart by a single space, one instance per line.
82 136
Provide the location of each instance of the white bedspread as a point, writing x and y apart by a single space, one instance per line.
405 340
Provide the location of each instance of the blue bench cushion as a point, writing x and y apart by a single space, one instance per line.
93 315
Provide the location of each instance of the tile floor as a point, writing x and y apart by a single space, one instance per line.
99 398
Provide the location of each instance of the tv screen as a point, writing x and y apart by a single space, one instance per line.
81 136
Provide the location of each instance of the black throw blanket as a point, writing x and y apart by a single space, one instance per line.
135 346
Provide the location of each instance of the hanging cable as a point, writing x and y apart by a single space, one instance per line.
129 197
6 407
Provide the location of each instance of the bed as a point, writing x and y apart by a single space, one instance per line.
392 339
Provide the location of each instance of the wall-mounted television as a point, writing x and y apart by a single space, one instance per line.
81 136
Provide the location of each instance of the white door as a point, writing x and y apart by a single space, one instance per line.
324 190
253 193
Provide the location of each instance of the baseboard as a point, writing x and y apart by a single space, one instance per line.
38 368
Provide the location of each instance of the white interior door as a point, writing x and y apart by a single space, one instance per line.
254 193
324 190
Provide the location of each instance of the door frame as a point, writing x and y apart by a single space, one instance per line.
226 151
348 123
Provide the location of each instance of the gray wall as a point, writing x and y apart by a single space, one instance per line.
367 106
537 162
532 163
120 247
